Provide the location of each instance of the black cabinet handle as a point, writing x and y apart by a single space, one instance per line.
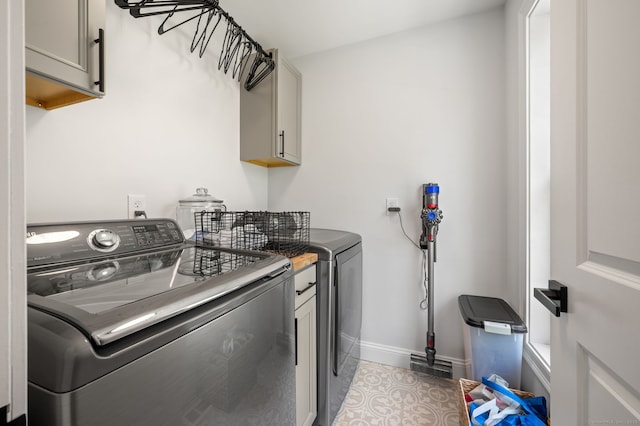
295 325
555 298
282 150
299 292
100 42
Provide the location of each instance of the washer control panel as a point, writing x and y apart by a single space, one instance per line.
58 242
151 235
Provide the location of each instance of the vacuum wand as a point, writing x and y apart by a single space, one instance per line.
431 218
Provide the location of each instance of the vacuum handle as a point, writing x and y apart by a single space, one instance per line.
431 214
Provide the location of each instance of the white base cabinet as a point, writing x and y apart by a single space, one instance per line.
306 364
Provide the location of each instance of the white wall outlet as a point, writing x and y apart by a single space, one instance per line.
136 203
392 202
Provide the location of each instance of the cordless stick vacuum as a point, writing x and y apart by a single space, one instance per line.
431 217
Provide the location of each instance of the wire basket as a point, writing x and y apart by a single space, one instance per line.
285 233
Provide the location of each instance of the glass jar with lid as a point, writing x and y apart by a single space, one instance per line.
199 202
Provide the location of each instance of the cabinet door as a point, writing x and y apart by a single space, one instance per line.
270 114
306 392
289 89
60 41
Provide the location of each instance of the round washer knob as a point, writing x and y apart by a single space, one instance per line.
105 239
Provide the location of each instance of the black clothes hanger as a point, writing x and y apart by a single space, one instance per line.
241 63
203 39
229 45
261 67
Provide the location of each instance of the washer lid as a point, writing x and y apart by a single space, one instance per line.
112 298
476 310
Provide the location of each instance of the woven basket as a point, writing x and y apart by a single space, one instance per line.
467 386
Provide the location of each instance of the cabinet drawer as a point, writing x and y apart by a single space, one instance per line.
305 285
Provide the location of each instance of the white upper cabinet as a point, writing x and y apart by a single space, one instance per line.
64 51
270 115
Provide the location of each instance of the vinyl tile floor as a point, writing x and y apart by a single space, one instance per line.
389 396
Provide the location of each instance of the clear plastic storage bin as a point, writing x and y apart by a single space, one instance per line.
493 338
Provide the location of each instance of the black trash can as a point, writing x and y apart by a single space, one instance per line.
493 338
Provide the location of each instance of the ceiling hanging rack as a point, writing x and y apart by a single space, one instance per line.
237 46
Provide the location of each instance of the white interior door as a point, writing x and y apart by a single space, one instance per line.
595 206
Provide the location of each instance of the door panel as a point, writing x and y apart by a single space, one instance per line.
612 126
70 20
595 232
606 390
59 37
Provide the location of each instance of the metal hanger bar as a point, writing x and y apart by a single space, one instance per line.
137 13
230 19
235 37
126 4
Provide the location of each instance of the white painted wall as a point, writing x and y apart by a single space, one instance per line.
379 119
383 117
168 124
515 159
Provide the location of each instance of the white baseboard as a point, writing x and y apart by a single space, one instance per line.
399 357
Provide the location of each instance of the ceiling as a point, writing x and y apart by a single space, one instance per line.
302 27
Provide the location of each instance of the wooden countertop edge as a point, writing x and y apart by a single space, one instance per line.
304 260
